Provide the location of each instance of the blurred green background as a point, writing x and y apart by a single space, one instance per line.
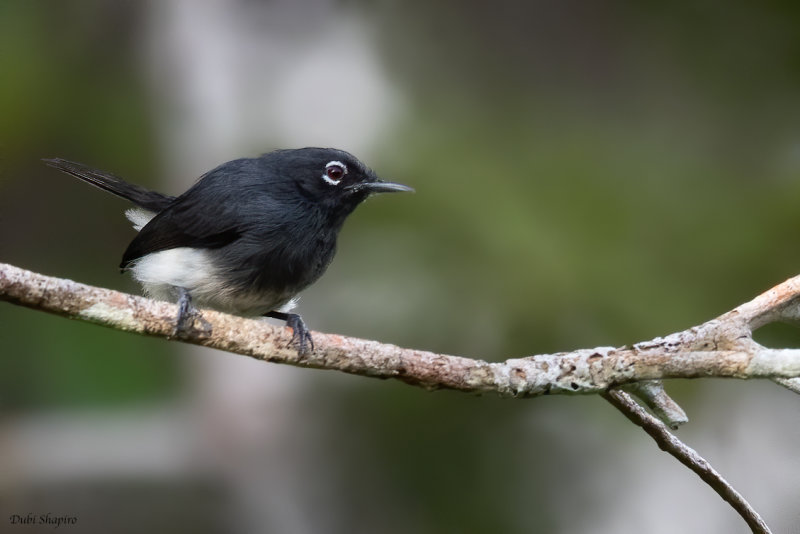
587 174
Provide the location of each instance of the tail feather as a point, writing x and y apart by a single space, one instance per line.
144 198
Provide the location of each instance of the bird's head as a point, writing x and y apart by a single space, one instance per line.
331 178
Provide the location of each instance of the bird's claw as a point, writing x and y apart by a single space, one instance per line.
189 320
300 334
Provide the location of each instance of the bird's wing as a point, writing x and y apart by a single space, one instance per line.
184 224
225 204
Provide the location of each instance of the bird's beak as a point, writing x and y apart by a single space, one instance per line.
379 186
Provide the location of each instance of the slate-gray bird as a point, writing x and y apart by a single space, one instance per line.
248 236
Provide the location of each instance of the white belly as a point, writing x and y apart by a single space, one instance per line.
161 273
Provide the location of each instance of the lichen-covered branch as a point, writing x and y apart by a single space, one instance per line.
722 347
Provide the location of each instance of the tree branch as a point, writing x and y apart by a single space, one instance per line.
723 347
687 456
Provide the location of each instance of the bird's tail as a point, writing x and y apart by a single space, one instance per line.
144 198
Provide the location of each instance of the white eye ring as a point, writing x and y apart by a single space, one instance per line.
334 167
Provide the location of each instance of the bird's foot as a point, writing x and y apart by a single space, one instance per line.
189 320
301 336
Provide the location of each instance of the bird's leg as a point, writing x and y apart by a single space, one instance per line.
301 336
187 315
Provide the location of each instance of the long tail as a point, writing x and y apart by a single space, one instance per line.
145 198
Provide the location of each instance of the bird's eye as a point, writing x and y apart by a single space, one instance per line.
334 172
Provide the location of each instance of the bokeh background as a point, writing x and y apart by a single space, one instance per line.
587 174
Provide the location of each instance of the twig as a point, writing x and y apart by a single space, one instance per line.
792 384
652 393
687 456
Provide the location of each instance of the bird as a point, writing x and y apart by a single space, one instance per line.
247 237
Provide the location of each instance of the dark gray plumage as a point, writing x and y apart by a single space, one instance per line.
248 236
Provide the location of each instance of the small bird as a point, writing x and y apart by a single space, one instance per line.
247 237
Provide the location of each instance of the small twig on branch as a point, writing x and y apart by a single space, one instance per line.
687 456
653 395
792 384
